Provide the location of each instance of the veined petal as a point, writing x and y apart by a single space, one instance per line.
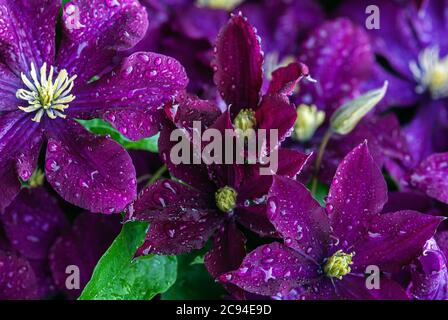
94 30
23 22
238 64
92 172
9 83
285 79
130 96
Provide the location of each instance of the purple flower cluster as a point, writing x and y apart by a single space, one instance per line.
355 207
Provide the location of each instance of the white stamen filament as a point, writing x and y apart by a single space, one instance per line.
45 96
431 73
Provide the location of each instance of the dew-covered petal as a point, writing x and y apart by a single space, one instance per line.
93 32
9 83
271 269
27 33
90 171
340 58
353 287
254 217
299 218
285 79
32 222
82 247
131 96
17 278
226 254
319 289
429 274
182 219
19 137
431 176
393 240
195 175
238 64
358 193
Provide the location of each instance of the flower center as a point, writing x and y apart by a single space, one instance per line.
308 120
45 96
338 265
225 199
431 73
245 120
219 4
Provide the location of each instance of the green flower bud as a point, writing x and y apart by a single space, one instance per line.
308 120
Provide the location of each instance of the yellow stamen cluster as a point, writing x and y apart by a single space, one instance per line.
219 4
45 96
338 265
245 120
431 73
308 120
225 199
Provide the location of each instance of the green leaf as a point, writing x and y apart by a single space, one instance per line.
193 282
101 127
321 192
118 276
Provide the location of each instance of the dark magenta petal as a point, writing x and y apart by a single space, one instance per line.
353 287
194 175
339 56
442 241
299 218
92 172
431 176
358 193
394 240
254 217
9 83
226 254
28 33
18 138
17 278
285 79
82 246
271 269
275 112
182 219
238 64
430 274
32 222
129 97
94 30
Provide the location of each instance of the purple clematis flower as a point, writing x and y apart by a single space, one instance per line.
326 251
43 89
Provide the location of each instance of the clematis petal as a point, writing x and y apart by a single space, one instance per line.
33 221
182 219
394 240
92 172
271 269
23 22
358 193
238 64
82 246
285 79
339 55
94 30
254 217
131 96
431 176
299 218
353 287
17 278
9 83
227 253
276 113
429 274
320 289
18 137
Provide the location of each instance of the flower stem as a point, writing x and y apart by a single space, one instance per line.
320 155
157 174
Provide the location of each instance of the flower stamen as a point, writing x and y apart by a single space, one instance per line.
338 265
431 73
225 199
45 96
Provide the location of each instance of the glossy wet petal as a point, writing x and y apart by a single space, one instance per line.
92 172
